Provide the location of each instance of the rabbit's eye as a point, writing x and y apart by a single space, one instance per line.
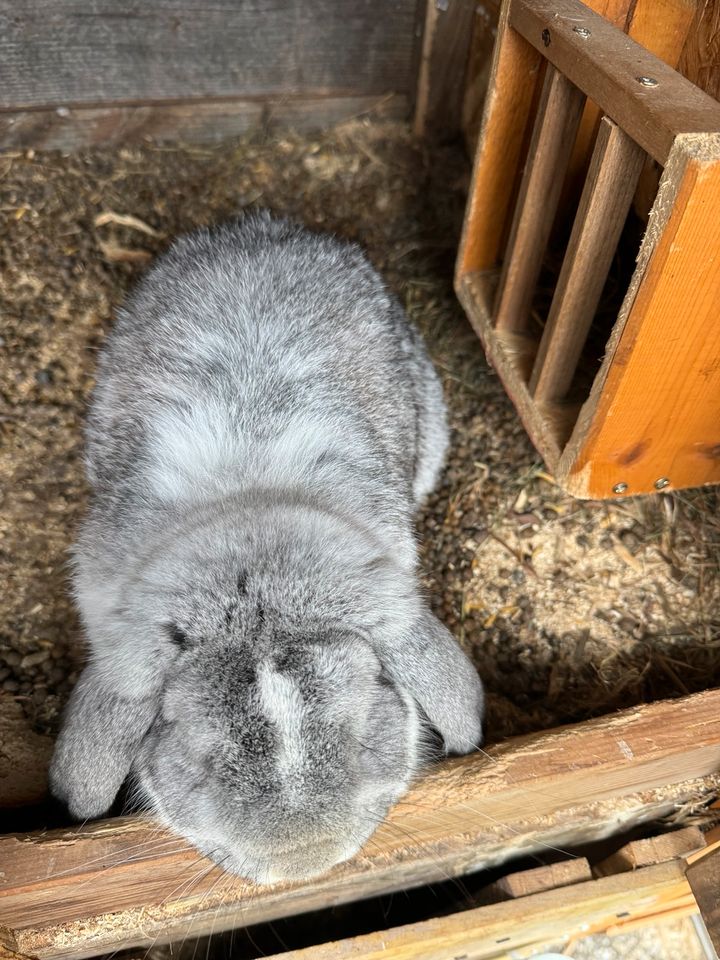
178 636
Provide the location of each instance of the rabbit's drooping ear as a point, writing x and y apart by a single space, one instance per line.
96 747
429 664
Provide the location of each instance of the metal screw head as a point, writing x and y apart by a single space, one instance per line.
582 32
620 488
647 81
662 483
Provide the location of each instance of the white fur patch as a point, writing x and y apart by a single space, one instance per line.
193 447
283 705
206 451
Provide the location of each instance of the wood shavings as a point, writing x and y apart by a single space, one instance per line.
114 253
125 220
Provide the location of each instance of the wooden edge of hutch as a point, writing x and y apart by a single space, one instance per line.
127 883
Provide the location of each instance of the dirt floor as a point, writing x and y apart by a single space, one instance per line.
569 609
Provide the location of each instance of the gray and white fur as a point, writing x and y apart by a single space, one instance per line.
262 661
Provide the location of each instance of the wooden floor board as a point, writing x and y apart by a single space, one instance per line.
123 882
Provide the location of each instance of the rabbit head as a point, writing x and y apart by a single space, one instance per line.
272 734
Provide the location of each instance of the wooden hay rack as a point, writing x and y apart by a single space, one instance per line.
650 419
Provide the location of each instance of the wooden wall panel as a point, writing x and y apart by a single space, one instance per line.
193 121
700 57
115 51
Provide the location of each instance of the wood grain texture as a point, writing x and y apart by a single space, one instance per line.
606 66
498 931
441 80
700 57
196 122
704 879
512 357
513 78
477 75
556 124
654 409
662 27
102 52
120 883
675 845
616 12
525 883
616 164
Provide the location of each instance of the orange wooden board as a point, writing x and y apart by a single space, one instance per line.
658 416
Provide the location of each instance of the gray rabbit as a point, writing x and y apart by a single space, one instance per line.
262 661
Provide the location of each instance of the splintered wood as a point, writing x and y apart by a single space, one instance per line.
125 882
650 420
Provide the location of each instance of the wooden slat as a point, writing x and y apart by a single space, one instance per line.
192 122
646 852
498 931
616 12
514 74
606 65
525 883
654 410
661 26
112 884
556 124
609 189
95 54
704 879
512 357
441 80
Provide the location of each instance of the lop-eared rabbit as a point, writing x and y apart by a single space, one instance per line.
262 661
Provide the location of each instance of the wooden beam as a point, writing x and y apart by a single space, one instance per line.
445 51
525 883
512 356
513 78
604 205
640 428
477 75
661 26
675 845
194 121
611 68
121 883
556 124
499 930
704 879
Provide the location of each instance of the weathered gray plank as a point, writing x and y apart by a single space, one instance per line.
193 122
441 81
96 52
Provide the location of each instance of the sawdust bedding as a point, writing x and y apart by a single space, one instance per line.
569 609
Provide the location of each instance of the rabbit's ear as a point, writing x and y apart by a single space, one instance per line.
100 736
429 664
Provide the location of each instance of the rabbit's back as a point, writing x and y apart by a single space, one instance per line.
258 353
